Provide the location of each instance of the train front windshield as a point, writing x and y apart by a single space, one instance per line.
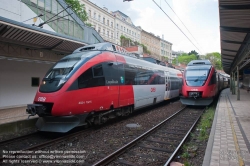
63 70
196 77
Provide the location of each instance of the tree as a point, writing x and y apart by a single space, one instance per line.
184 59
193 52
215 59
79 9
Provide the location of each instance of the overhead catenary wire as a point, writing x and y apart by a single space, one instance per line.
177 26
182 22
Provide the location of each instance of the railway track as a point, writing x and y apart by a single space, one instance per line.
44 144
158 145
26 143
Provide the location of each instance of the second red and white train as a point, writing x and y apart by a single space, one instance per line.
98 82
201 83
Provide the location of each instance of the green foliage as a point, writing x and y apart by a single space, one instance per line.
193 52
166 58
126 42
184 58
206 123
215 59
145 49
186 163
185 155
78 8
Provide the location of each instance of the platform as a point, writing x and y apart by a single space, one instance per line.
13 114
228 143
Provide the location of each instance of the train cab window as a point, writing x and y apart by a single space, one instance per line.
196 77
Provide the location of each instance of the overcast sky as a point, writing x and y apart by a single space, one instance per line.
201 17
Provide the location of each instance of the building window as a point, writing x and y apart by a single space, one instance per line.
103 20
117 26
108 33
89 13
112 24
117 35
112 35
99 30
121 28
124 29
99 18
35 81
104 32
94 15
108 22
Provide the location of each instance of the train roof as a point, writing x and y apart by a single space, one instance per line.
106 46
199 62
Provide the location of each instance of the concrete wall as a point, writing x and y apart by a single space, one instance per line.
15 82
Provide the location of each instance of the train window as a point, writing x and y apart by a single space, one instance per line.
113 73
97 70
130 74
113 47
213 79
196 77
86 80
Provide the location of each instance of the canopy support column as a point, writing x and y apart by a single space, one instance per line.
238 85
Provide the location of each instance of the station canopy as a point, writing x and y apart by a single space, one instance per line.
234 34
21 34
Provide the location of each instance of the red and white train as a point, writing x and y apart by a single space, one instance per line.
201 83
98 82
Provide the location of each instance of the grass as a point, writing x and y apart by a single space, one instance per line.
206 123
203 126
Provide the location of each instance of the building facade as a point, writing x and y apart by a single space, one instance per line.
111 25
152 43
124 26
166 50
101 20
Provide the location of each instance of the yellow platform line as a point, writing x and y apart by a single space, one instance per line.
240 160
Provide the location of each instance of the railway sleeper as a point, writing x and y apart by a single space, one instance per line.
172 133
169 137
155 148
148 156
162 142
125 162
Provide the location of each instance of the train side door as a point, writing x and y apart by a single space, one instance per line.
168 86
110 93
